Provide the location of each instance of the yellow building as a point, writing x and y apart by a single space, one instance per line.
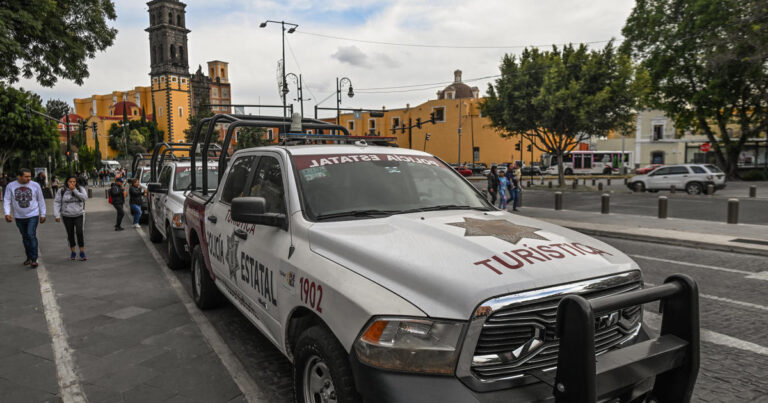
458 122
105 110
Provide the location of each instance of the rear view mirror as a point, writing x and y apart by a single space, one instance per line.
251 210
156 187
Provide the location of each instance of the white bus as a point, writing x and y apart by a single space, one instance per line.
588 162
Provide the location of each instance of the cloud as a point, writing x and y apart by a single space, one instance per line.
351 55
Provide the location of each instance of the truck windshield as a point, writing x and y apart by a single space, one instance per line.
183 178
145 176
344 186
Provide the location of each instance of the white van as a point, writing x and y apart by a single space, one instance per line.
111 165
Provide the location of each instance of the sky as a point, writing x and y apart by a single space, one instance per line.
336 38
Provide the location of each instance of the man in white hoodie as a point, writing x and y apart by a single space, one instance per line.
26 198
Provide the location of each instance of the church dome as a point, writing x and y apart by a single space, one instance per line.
457 89
131 109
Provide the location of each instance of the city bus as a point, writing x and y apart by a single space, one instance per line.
588 162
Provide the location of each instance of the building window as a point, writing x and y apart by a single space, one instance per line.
215 92
395 122
173 79
181 112
351 125
170 18
657 157
181 53
439 112
449 94
178 19
310 131
658 132
223 73
160 111
135 112
154 80
270 134
372 124
224 93
173 52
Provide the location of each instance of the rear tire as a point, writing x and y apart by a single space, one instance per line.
154 235
693 188
175 261
568 171
638 187
204 291
321 369
607 171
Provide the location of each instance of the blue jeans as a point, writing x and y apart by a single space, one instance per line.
136 212
28 229
514 197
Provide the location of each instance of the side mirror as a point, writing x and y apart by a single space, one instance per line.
156 187
251 210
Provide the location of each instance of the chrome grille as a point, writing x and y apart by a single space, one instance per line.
518 339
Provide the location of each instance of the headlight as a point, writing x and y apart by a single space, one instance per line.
412 345
178 220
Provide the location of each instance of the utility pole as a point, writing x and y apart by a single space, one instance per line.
459 161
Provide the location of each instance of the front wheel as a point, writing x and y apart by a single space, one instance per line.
638 187
569 171
175 261
321 371
607 171
693 188
204 291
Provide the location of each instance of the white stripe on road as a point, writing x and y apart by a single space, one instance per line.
250 390
749 274
727 300
653 320
69 382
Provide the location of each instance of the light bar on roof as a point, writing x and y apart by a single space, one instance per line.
334 137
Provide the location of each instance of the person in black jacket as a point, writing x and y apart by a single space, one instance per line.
117 198
493 184
135 198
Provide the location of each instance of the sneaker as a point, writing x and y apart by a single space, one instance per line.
33 264
136 226
27 262
82 257
73 256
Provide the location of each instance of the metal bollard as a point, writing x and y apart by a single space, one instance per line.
558 200
663 206
90 193
753 191
609 181
593 182
733 211
710 189
625 181
575 183
672 189
529 183
605 203
600 186
550 184
585 181
106 193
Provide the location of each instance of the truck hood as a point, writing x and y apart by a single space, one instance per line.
448 262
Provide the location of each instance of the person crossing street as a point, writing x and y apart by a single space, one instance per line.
24 198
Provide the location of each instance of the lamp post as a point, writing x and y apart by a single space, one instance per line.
339 84
291 30
300 89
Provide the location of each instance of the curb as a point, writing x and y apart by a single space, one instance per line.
671 241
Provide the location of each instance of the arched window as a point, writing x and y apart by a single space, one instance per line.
181 112
170 18
181 53
178 20
222 73
173 52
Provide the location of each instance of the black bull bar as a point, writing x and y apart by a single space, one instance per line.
671 360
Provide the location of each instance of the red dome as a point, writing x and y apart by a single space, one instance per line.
117 109
73 118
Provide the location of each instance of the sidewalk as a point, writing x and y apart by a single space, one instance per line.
753 239
130 335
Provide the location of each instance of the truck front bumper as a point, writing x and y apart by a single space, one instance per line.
180 242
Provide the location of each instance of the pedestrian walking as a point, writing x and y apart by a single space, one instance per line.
503 192
24 198
69 206
117 198
55 185
514 175
82 179
136 195
493 184
101 178
94 177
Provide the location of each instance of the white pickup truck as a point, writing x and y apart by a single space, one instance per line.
383 275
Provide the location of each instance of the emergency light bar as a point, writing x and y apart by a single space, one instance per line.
335 137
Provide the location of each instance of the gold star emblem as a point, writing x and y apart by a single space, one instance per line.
502 229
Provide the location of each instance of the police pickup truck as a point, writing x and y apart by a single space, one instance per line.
383 275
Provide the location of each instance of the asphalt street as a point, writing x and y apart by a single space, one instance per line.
731 305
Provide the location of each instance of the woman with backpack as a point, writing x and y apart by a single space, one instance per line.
69 206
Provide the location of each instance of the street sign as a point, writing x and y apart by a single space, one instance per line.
705 147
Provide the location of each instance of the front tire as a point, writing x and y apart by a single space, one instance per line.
321 370
154 234
175 261
204 291
569 171
638 187
693 188
607 171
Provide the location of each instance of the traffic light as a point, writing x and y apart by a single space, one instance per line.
418 123
394 130
432 117
529 148
93 126
428 136
402 129
517 146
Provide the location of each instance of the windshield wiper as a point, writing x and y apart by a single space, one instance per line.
356 213
444 207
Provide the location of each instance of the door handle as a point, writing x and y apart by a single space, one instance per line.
212 218
241 234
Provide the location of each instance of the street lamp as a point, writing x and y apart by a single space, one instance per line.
339 84
297 80
291 30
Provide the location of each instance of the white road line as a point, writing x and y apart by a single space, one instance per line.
654 320
727 300
250 390
749 274
69 382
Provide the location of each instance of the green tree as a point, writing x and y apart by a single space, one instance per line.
87 158
194 120
27 138
141 137
708 66
248 137
49 40
56 108
561 97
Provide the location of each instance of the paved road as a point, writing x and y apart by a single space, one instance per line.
751 211
727 374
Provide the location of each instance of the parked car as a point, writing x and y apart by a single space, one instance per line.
531 170
694 178
463 170
648 168
477 168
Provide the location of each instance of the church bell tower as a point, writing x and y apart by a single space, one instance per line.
169 67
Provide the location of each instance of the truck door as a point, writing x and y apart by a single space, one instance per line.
263 248
158 199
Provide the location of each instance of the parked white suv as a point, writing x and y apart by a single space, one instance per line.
694 178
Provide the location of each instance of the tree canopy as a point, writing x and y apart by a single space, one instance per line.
56 108
561 97
49 40
708 66
248 137
194 120
30 139
142 136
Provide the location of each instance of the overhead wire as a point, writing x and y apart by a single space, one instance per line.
295 60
